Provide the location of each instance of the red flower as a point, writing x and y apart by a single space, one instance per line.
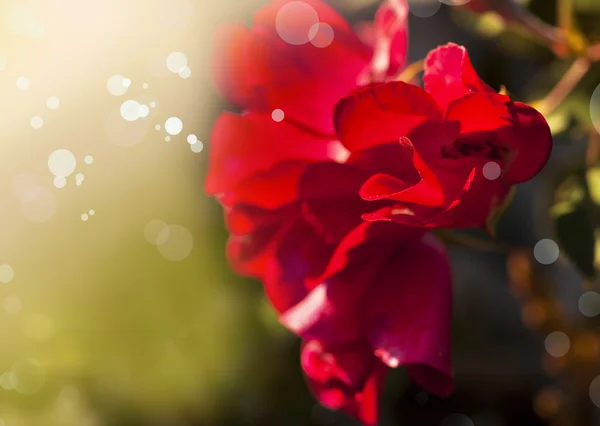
328 201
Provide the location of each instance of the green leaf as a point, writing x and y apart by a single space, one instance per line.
575 231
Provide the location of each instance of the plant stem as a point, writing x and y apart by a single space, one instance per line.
565 86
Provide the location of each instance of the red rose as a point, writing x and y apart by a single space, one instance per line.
328 201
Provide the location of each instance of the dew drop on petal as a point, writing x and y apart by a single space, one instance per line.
62 162
36 122
321 35
60 181
173 126
557 344
424 8
176 61
491 170
6 273
546 251
589 304
197 147
117 85
23 83
52 102
294 21
277 115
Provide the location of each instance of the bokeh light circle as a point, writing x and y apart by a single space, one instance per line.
197 147
117 85
424 8
173 126
557 344
36 122
130 110
454 2
12 304
321 35
41 207
595 108
23 83
491 170
546 251
457 419
278 115
60 181
294 21
62 162
175 242
27 376
192 139
595 391
185 72
25 186
52 102
6 273
176 61
153 230
589 304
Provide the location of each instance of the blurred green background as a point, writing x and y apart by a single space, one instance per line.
117 306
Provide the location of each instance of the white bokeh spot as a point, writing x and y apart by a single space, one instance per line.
294 21
546 251
557 344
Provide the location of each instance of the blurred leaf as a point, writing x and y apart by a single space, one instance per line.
559 122
593 179
587 5
576 237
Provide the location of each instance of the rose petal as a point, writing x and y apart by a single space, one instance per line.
330 311
347 377
408 314
388 36
449 74
259 71
243 146
382 113
300 256
515 126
